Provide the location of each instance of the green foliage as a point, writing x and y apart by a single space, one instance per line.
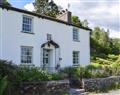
32 74
8 69
93 66
6 3
100 41
57 76
3 84
73 72
103 61
46 7
116 68
101 44
76 21
19 74
91 71
97 70
115 46
112 57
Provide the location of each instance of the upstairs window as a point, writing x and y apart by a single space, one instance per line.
27 24
49 37
26 54
75 57
75 34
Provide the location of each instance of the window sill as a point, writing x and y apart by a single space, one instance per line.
76 40
27 32
27 64
75 65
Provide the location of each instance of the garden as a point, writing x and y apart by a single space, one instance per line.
12 76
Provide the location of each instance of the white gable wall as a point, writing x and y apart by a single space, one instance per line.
62 34
0 33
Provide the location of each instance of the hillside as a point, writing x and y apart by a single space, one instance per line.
104 50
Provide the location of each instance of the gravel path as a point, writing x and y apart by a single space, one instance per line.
115 92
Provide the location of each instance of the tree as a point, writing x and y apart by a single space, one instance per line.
46 7
100 41
76 21
102 44
85 23
115 45
40 6
3 84
6 3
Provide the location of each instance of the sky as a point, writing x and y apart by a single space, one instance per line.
102 13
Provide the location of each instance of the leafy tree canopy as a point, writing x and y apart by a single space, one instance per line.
76 21
6 3
46 7
102 44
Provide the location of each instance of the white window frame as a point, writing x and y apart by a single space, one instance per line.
76 61
29 24
76 34
23 55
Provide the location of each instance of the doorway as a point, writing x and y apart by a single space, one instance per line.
47 59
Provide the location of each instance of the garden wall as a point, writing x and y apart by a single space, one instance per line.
43 88
101 83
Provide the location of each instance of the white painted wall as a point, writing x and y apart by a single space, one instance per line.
0 33
62 34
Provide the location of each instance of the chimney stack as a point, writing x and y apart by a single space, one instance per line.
1 2
65 16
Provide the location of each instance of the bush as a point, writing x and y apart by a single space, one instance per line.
8 69
22 74
3 84
112 57
57 76
75 72
32 74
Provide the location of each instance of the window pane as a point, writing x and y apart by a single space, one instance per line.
76 57
26 54
75 34
27 24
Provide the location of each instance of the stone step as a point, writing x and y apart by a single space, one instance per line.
77 90
74 91
85 93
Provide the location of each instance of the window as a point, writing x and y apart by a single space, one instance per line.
49 37
75 34
75 57
27 24
26 54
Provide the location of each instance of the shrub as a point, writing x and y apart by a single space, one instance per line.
112 57
8 69
3 84
115 69
70 71
33 74
24 73
57 76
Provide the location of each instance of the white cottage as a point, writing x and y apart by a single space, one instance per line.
31 39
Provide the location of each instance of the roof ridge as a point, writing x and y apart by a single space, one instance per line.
42 16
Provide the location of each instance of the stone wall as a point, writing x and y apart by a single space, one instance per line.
100 83
42 88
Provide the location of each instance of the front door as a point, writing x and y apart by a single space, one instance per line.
46 59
